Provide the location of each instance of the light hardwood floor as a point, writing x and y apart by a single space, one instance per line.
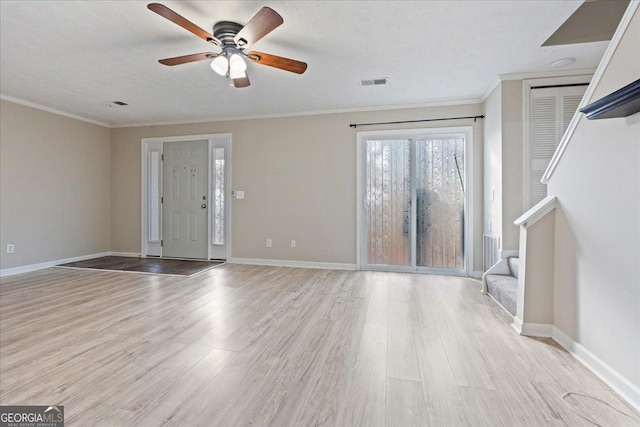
248 345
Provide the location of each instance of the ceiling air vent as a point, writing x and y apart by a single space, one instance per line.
112 104
374 82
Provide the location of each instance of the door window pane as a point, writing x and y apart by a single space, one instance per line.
440 202
387 202
218 196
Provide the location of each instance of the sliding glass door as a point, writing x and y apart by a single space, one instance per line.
414 198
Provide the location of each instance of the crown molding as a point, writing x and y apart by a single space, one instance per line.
306 113
19 101
490 89
546 74
534 75
52 110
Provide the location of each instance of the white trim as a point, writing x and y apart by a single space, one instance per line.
618 383
52 110
526 105
604 63
441 103
126 254
292 263
469 170
360 185
537 212
509 253
229 195
490 89
546 74
147 145
517 322
41 266
181 138
540 330
418 270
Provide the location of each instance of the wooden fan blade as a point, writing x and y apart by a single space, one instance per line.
188 58
242 82
278 62
169 14
265 21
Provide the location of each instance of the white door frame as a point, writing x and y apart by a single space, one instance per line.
361 138
151 144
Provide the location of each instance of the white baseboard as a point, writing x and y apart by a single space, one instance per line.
540 330
628 391
252 261
291 263
41 266
127 254
517 324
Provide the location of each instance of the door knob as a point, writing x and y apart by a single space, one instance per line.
203 206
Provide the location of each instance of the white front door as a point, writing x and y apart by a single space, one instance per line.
185 199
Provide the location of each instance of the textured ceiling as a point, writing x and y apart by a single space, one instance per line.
75 56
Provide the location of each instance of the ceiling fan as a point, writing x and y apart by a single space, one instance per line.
233 39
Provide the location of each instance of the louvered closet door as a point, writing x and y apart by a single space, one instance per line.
550 113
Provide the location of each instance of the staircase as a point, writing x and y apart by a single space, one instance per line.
501 282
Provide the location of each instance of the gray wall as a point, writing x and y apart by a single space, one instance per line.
55 195
503 161
299 178
70 188
597 244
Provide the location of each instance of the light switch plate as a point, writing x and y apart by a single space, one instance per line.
239 194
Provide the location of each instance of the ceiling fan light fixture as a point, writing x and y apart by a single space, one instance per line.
237 64
220 65
232 38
